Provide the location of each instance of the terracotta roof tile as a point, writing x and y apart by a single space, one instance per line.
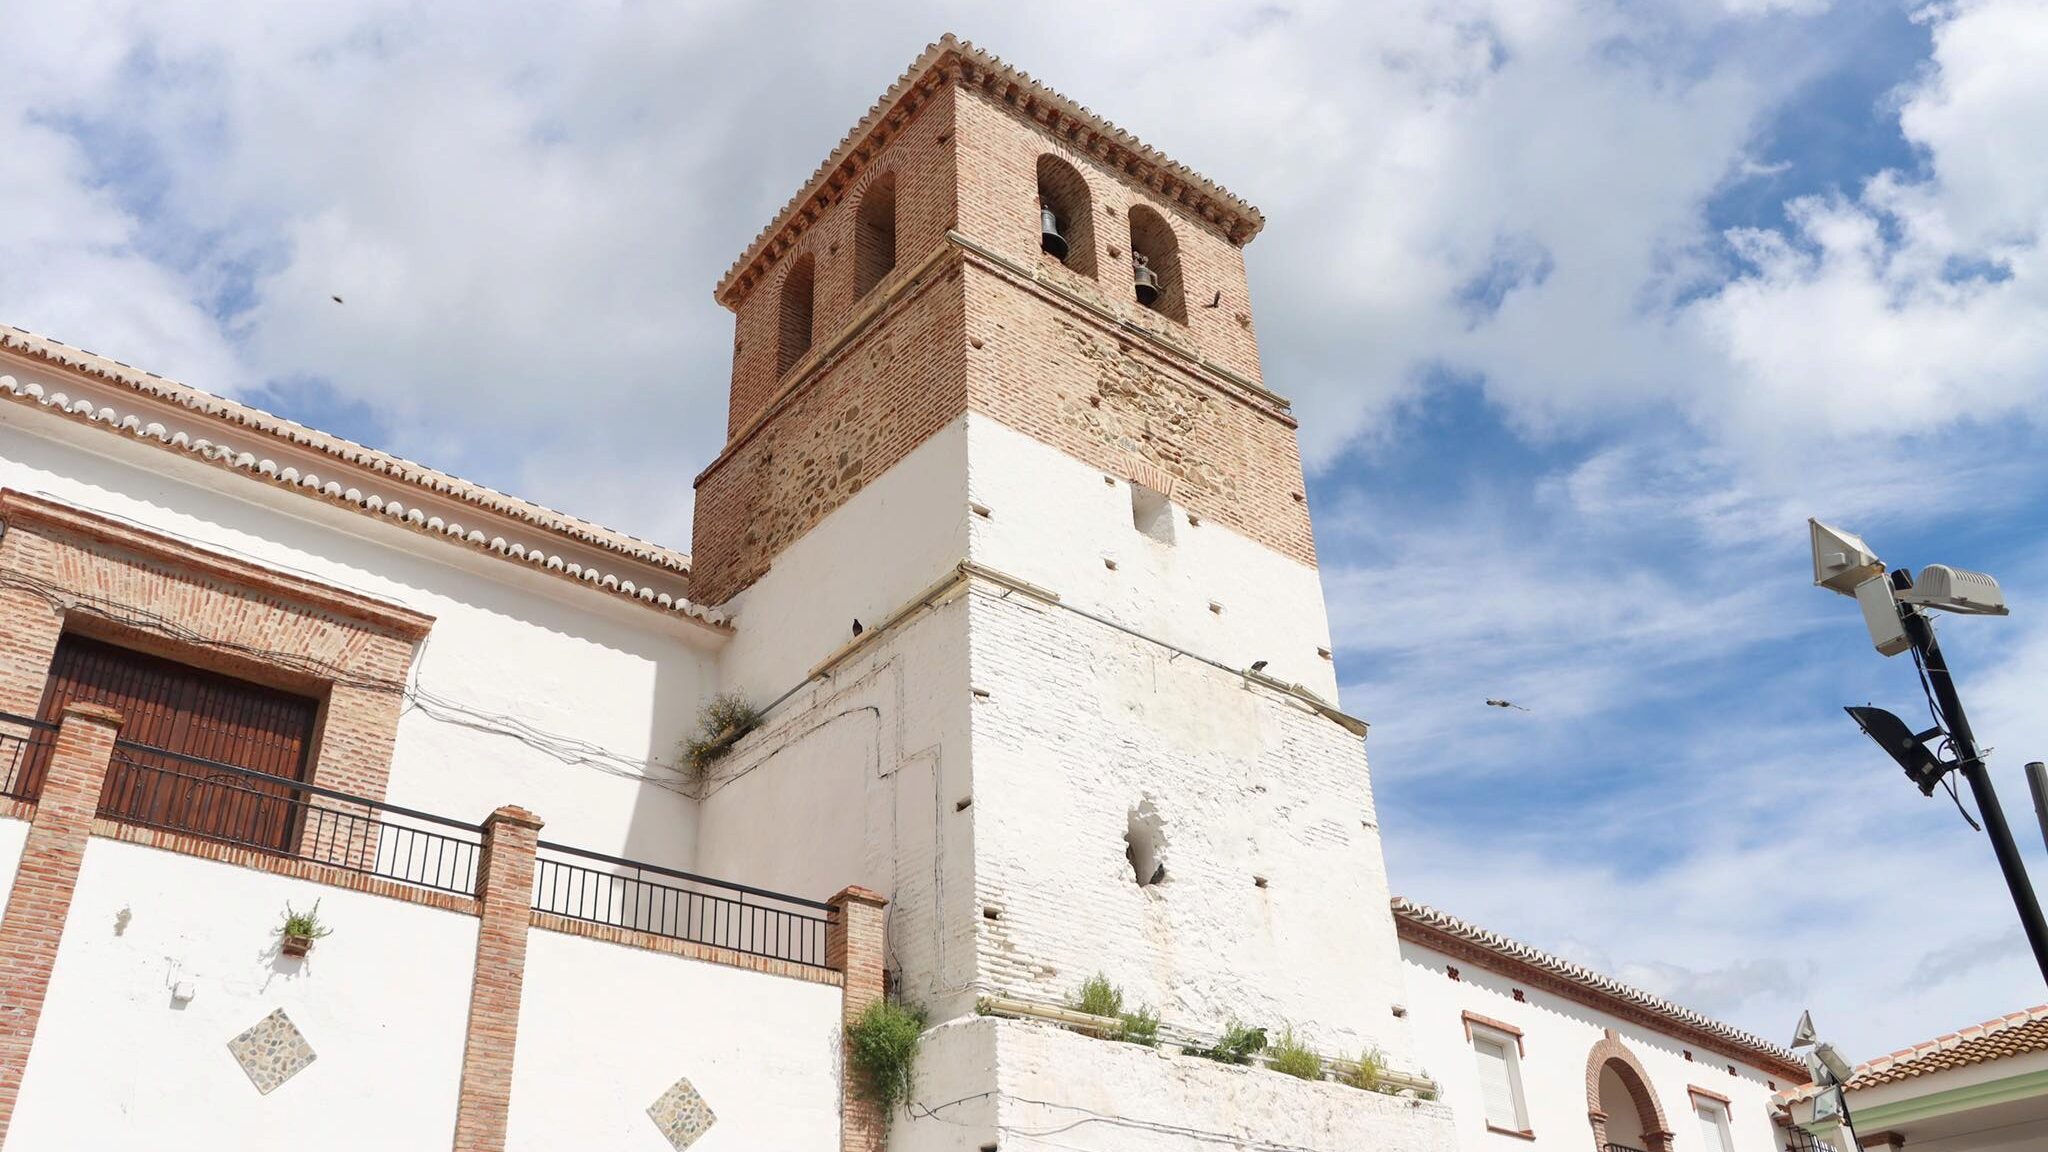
1999 1038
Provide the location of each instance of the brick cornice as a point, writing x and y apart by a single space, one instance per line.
1524 972
19 508
958 63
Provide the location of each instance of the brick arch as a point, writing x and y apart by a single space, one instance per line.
1611 1051
873 203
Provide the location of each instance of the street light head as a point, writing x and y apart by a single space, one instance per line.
1841 560
1837 1067
1901 744
1956 590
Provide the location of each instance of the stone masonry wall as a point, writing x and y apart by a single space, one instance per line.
999 149
921 158
901 381
1059 375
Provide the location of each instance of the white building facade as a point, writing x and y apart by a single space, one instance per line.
1008 561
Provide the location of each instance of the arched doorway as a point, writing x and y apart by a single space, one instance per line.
1620 1102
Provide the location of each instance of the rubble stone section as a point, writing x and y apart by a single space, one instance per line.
504 896
272 1051
33 925
983 320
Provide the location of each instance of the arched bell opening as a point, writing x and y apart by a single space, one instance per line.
1066 220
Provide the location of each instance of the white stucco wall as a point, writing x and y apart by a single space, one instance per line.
1053 521
605 1029
13 834
118 1064
512 650
1058 1090
1081 724
1558 1037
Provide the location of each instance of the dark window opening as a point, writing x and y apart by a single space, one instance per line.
874 240
793 322
1066 223
1155 264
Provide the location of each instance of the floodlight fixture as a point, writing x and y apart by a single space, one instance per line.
1902 744
1837 1067
1955 590
1827 1106
1804 1035
1841 560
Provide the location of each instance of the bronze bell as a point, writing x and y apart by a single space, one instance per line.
1146 280
1049 237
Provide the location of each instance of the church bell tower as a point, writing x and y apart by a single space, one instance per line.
996 397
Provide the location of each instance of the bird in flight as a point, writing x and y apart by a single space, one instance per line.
1505 704
336 299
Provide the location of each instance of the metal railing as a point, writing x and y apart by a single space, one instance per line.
600 889
1619 1148
157 788
23 754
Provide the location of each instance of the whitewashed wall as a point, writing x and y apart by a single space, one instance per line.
1053 521
507 642
855 778
1558 1036
13 834
1082 724
118 1064
605 1029
1059 1090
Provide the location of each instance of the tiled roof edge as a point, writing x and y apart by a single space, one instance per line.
57 402
24 342
1237 216
1590 980
1895 1066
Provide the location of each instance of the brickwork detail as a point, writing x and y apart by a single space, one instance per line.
33 925
1070 358
1611 1051
855 944
504 901
105 577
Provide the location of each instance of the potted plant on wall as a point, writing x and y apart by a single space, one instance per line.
300 929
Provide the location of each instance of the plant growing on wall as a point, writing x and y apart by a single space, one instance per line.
300 929
883 1044
1239 1044
724 719
1369 1072
1098 997
1291 1056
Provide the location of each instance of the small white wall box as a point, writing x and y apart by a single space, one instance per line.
1956 590
1881 616
183 991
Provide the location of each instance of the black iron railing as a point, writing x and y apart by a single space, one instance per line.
1620 1148
604 889
156 788
23 754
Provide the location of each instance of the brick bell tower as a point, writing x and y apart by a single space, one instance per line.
1005 496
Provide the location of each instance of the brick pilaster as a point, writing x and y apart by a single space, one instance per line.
41 899
504 897
854 945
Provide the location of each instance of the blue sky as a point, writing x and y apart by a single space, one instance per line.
1584 306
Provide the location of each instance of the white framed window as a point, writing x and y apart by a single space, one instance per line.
1713 1116
1500 1078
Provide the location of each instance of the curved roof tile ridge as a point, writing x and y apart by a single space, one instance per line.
1586 977
1248 219
2013 1034
149 383
308 484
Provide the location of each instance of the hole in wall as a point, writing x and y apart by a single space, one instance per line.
1152 513
1145 844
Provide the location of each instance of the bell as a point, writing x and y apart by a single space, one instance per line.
1145 279
1049 237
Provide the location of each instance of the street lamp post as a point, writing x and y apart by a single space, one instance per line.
1892 611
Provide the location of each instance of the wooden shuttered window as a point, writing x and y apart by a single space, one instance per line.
176 719
1497 1083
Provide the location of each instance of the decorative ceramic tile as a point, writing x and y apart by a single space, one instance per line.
681 1114
272 1051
